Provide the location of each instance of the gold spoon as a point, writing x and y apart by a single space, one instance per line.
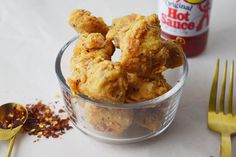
10 134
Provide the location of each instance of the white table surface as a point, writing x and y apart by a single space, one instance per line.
33 31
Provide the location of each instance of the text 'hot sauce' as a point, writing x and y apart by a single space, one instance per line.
188 19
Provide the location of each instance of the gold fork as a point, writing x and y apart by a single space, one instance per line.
221 121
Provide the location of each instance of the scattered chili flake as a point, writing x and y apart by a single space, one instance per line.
61 111
36 140
13 118
42 121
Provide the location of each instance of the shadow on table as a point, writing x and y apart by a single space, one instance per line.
18 144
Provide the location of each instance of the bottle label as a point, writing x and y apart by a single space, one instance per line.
184 17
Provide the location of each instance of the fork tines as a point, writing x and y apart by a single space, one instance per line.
213 95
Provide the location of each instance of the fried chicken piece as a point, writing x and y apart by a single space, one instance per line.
106 81
89 50
113 121
141 45
83 22
142 89
175 56
119 28
94 43
149 118
79 67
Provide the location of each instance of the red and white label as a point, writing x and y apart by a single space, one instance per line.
181 18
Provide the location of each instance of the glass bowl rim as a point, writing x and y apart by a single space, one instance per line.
147 103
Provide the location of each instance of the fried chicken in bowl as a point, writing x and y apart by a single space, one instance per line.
124 101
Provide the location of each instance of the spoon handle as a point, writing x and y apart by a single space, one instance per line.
11 143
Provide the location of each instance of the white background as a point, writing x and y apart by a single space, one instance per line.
33 31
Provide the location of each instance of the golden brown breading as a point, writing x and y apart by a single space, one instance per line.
143 36
119 27
142 89
149 118
84 22
113 121
94 43
89 50
140 43
142 46
175 56
106 81
79 67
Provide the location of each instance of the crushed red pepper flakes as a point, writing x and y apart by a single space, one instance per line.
13 118
61 111
42 121
36 140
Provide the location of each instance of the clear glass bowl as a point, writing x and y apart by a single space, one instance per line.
120 123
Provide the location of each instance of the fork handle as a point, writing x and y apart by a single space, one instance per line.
225 146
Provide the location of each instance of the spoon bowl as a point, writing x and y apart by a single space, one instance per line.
6 134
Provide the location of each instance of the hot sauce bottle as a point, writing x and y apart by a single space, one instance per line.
188 19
